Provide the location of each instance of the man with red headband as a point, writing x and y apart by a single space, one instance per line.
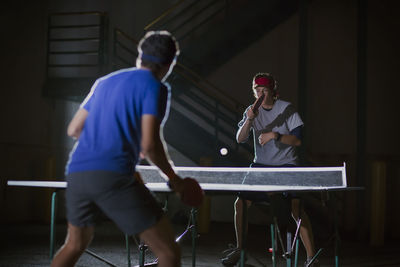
277 131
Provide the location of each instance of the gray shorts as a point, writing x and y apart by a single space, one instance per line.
120 197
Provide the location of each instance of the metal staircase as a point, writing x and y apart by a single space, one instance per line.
212 31
203 119
76 53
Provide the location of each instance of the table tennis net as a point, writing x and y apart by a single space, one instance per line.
312 176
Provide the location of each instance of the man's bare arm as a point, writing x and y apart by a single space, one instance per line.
243 133
290 140
153 149
76 125
287 139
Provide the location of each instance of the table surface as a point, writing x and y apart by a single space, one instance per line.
226 179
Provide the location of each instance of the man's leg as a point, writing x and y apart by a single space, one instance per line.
233 255
239 220
77 240
306 233
161 241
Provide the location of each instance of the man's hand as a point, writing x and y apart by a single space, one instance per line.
188 190
251 115
266 137
176 184
258 102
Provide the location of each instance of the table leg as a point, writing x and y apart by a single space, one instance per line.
289 249
244 234
52 222
273 244
296 257
337 239
128 250
194 235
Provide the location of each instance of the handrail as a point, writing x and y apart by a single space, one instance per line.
88 52
200 24
76 26
194 15
71 65
119 31
216 111
213 86
198 77
183 11
207 91
74 39
165 13
226 100
79 13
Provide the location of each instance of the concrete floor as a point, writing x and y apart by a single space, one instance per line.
28 245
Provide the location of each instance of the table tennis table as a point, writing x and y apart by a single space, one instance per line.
227 180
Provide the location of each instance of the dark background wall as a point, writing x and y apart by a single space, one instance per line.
33 143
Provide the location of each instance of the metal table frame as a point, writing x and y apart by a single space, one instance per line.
209 188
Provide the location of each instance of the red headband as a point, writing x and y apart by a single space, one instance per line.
263 81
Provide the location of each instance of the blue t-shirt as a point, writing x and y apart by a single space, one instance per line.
110 139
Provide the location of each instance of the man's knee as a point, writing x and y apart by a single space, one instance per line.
78 239
77 246
239 204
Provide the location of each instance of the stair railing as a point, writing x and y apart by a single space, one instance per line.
213 110
164 14
185 17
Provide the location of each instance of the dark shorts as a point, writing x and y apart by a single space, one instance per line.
120 197
264 196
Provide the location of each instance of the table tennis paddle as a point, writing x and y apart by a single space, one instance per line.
258 102
192 194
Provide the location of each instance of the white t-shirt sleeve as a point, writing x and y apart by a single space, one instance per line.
294 121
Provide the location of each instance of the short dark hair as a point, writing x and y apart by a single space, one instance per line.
157 49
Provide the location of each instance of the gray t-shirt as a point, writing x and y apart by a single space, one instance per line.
282 118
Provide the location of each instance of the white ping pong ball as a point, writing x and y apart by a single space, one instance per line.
223 151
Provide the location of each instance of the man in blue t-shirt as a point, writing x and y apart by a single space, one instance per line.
121 118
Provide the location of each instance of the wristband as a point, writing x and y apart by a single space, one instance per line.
171 174
169 185
278 138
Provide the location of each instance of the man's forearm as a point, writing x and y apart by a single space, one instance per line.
157 155
244 131
290 140
75 127
152 146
